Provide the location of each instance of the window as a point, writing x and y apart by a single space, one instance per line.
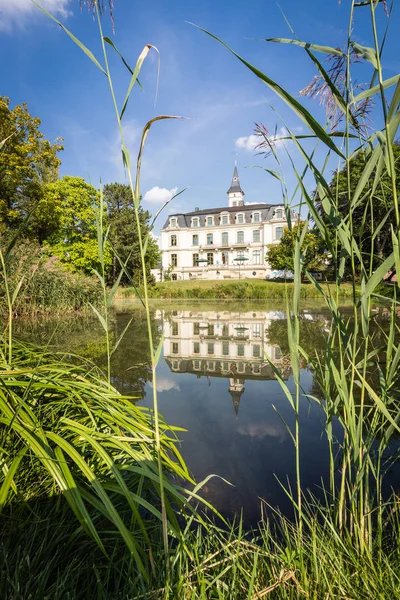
225 238
174 277
256 235
195 222
240 367
195 260
173 240
209 221
196 328
175 364
173 222
209 239
257 330
210 258
225 330
210 330
175 348
234 203
278 233
195 240
196 348
225 366
210 348
256 217
240 219
240 349
240 237
225 258
256 257
256 369
211 365
256 351
224 220
279 213
174 329
174 260
225 349
197 365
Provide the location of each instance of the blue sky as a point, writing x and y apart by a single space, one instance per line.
199 79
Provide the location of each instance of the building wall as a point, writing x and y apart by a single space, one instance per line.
185 250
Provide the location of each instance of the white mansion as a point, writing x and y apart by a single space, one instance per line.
221 243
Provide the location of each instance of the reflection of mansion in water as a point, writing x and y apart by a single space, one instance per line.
222 344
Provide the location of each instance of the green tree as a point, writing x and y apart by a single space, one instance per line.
281 256
124 233
27 161
375 207
71 203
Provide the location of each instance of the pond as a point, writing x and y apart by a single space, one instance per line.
217 379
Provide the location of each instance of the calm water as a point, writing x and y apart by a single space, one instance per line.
214 381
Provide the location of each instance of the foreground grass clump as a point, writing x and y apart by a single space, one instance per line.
69 440
274 561
256 290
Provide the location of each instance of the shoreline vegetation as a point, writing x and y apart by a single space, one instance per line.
91 495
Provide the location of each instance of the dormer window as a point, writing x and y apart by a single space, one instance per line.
173 222
224 220
256 217
195 222
210 221
240 218
279 213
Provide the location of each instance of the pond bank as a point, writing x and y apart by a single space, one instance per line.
251 290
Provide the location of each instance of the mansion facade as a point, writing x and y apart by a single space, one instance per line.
229 242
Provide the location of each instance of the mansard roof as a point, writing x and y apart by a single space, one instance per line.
185 219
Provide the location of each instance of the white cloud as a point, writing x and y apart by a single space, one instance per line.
250 142
15 12
159 195
165 385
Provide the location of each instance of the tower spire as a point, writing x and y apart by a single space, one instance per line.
235 192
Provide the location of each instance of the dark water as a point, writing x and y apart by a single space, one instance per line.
215 381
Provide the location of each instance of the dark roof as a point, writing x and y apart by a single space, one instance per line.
184 219
235 184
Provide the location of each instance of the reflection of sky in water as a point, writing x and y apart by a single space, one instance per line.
248 449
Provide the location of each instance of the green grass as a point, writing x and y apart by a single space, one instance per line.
256 290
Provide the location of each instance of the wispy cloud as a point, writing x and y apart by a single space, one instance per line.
15 12
159 195
250 142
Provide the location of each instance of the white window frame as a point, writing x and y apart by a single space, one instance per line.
277 239
254 217
257 254
226 233
173 222
197 220
240 216
242 236
258 231
211 218
224 216
212 239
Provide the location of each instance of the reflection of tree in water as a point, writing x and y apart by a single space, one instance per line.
313 334
84 336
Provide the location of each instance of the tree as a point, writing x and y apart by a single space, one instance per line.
281 256
72 203
375 207
124 233
27 161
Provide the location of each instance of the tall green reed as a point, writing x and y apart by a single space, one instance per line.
368 414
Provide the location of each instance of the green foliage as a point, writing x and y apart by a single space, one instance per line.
72 203
124 234
373 214
281 256
46 286
27 161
